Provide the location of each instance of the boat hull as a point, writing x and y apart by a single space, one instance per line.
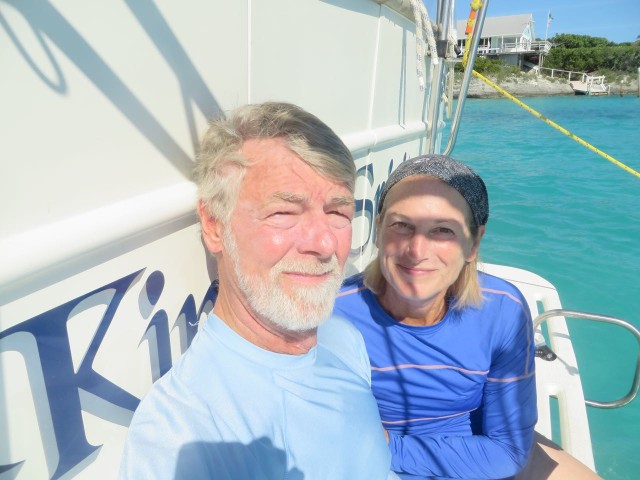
104 276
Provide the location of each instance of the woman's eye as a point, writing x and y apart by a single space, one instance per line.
442 232
401 227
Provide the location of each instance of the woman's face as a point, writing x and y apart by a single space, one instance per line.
424 241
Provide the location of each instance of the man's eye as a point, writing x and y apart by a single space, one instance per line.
339 219
282 218
340 213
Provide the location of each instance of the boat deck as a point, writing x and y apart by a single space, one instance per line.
558 383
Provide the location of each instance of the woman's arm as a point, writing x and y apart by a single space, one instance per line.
500 451
505 420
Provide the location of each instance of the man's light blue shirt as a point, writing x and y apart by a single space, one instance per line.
231 410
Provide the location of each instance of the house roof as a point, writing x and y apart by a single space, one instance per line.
510 25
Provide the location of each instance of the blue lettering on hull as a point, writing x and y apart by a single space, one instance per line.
63 384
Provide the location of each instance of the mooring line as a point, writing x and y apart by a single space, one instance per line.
556 126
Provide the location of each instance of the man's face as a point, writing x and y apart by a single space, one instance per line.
289 237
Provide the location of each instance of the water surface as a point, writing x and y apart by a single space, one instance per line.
567 214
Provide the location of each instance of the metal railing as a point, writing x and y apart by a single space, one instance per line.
466 79
633 392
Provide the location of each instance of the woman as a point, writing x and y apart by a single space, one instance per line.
451 348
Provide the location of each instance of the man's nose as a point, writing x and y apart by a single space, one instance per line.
318 236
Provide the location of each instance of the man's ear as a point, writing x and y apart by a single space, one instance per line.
211 229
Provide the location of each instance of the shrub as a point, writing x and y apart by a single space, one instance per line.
589 59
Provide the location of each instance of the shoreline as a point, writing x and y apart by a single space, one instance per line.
534 86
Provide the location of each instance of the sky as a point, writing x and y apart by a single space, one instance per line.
615 20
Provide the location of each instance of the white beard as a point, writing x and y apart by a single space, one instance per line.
305 308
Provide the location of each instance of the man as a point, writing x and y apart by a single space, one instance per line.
268 389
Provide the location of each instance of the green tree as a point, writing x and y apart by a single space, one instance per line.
570 40
621 58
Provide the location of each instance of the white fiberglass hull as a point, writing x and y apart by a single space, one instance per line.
103 275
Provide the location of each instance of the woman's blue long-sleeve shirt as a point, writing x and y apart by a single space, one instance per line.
457 398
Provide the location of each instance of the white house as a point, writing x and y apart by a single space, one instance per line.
510 38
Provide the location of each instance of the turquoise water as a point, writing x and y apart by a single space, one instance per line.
567 214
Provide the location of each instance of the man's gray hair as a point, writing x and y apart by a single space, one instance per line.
220 164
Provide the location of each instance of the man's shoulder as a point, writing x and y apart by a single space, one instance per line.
343 340
178 389
337 330
173 394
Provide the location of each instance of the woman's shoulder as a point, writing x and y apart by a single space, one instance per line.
353 299
351 289
496 288
354 282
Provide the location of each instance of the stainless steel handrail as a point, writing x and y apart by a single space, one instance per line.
444 16
466 79
606 319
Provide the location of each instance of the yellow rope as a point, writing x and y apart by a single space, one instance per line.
556 126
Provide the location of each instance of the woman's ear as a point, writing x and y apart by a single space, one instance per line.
475 247
211 229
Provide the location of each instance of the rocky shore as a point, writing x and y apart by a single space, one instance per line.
530 85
